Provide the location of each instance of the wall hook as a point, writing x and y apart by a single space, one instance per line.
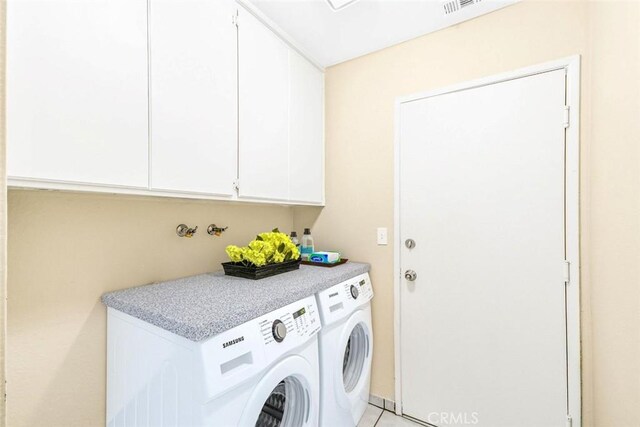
215 231
184 230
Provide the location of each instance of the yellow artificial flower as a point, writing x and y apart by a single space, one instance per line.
268 248
234 253
295 252
278 257
262 246
256 258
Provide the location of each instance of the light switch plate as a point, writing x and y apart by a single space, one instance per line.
382 236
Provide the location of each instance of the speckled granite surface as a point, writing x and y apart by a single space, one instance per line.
199 307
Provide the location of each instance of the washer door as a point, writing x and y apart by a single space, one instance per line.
354 355
283 397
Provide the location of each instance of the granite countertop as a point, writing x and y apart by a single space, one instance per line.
199 307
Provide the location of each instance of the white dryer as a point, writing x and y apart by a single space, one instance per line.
263 373
346 347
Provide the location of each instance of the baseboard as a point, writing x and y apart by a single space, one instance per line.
382 403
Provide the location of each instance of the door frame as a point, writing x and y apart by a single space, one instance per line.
571 65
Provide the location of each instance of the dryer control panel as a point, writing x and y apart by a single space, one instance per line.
344 298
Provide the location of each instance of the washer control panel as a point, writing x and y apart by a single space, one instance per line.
293 324
237 354
342 299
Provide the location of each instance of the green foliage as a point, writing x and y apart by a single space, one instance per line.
267 248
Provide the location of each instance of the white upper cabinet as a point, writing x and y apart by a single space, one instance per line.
281 103
263 77
193 75
306 131
184 98
77 86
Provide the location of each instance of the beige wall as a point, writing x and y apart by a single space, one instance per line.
611 227
65 250
360 98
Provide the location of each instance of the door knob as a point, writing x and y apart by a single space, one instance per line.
410 243
410 275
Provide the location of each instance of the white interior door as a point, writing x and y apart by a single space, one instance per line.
481 181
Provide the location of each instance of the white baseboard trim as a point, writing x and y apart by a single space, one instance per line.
382 403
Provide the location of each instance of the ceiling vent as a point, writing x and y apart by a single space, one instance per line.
452 6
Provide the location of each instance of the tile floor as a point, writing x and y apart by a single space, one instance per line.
378 417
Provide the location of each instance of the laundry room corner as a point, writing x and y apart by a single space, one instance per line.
359 130
360 99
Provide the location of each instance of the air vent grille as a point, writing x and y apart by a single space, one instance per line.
452 6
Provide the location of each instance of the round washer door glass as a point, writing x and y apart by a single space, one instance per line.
286 406
355 354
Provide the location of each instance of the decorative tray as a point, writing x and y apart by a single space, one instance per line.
324 264
256 273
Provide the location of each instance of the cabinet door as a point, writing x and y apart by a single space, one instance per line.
193 96
77 91
264 111
306 131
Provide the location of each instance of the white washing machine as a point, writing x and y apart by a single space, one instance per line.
346 347
263 373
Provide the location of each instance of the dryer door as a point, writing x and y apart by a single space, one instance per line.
353 359
287 396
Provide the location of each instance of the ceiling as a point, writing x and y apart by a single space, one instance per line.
329 36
